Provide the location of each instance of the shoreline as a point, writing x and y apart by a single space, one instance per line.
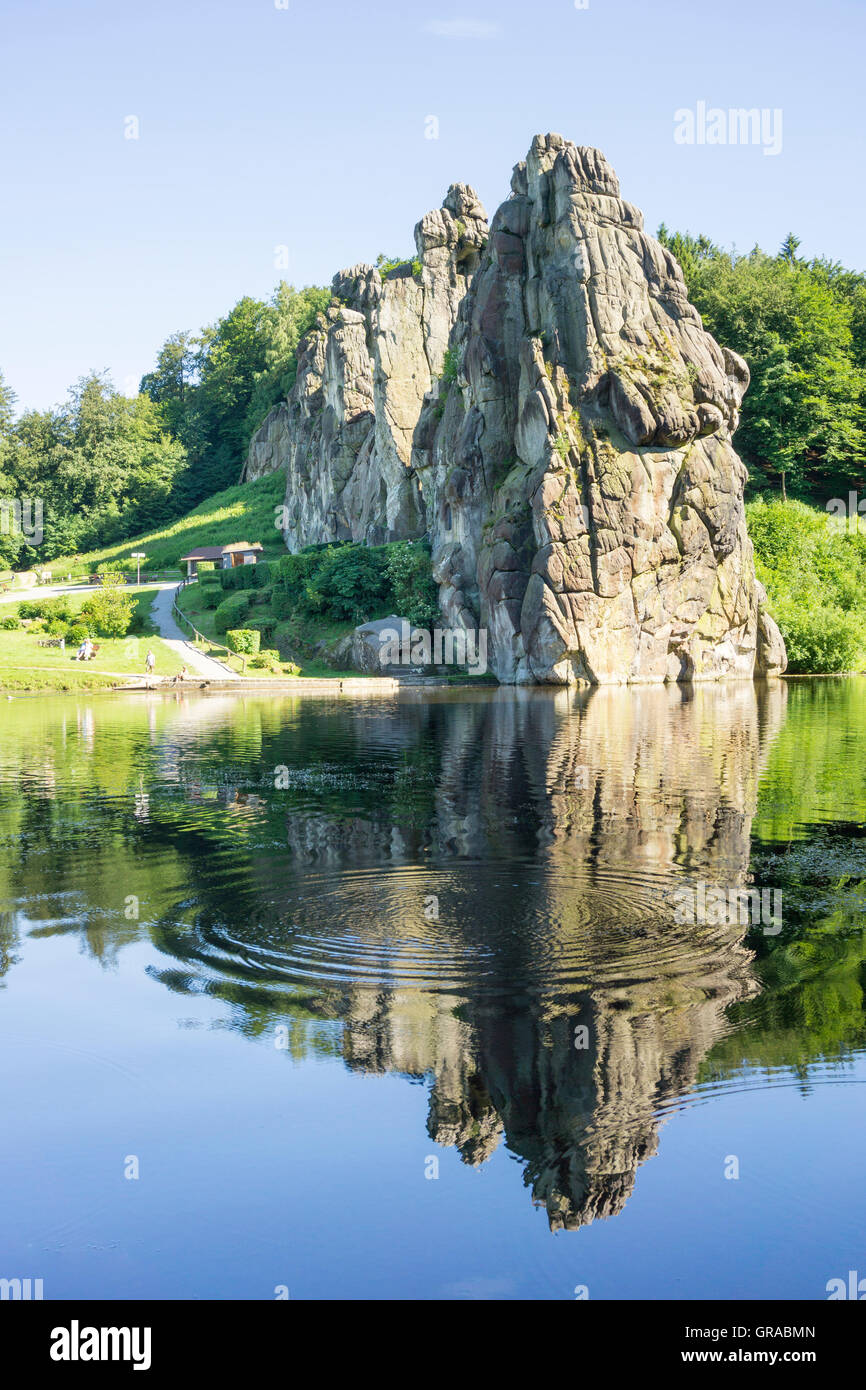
353 685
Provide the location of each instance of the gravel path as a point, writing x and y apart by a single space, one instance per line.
174 637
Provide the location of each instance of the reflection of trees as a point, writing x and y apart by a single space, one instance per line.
549 826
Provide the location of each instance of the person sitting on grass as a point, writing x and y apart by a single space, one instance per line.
85 651
181 676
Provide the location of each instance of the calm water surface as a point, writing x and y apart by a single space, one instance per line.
389 998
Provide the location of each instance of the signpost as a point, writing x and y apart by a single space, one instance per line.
138 555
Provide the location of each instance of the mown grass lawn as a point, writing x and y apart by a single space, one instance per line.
24 665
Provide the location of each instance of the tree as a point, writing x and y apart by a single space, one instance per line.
801 326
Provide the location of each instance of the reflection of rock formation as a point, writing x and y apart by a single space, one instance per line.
560 825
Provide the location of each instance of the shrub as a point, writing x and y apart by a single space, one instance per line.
294 571
229 579
416 595
210 578
815 576
244 641
267 658
264 626
450 365
350 584
8 624
282 604
110 576
108 613
205 567
261 574
76 633
211 596
821 639
46 608
232 611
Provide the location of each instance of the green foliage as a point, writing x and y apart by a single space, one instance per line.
232 611
244 641
353 583
50 608
815 576
240 577
109 613
217 387
450 365
107 466
245 512
104 466
211 596
268 658
801 326
385 263
9 623
349 584
264 623
415 594
76 633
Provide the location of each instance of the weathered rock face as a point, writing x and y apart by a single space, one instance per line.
571 458
345 434
584 501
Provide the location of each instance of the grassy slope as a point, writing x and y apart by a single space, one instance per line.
244 513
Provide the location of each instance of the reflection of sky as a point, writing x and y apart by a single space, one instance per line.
257 1170
260 1167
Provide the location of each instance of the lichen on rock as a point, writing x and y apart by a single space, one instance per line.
543 402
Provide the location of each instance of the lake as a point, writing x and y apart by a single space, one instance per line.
433 996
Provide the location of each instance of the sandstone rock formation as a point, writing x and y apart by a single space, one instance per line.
544 404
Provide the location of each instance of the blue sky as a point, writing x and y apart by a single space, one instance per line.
304 127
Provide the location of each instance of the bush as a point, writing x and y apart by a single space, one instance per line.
110 576
244 641
282 604
350 584
210 596
8 624
416 594
46 608
210 578
108 613
76 633
265 626
261 574
205 567
815 577
267 658
821 639
232 611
